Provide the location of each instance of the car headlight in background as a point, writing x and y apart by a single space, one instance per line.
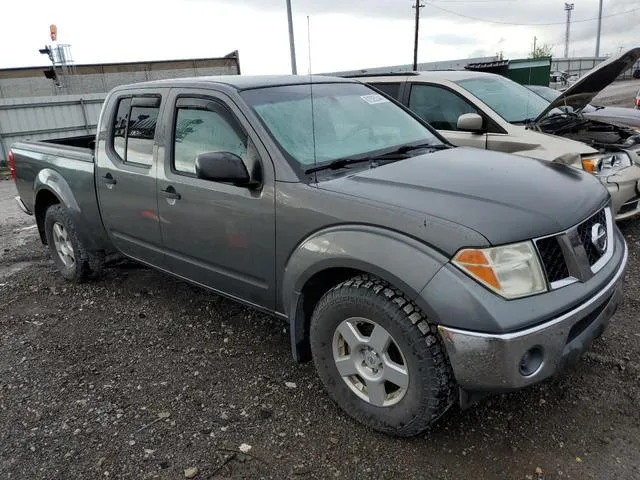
512 271
606 165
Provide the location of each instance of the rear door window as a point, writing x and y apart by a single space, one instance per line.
134 129
120 128
438 106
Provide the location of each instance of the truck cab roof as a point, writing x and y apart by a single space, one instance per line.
239 82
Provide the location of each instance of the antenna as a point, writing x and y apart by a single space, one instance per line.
313 123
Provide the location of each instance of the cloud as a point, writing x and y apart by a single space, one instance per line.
449 39
345 35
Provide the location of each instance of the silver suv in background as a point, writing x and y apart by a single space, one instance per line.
629 117
488 111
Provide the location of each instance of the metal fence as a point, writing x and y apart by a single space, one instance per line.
42 118
581 65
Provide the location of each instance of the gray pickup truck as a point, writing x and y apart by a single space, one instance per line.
413 273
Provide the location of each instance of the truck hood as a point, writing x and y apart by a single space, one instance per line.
588 86
503 197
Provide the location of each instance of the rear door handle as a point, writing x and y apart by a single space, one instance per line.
108 179
170 193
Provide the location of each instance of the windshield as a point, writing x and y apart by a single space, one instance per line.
550 94
510 100
547 93
350 120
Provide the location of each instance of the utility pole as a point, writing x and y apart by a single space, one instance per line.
568 7
292 46
533 54
599 29
417 6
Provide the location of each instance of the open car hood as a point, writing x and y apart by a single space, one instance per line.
588 86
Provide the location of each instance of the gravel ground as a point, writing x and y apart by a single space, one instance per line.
138 375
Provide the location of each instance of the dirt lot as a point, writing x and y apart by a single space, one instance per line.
138 375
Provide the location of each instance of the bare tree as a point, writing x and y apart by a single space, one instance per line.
542 51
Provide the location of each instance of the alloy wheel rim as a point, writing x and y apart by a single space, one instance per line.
63 245
370 362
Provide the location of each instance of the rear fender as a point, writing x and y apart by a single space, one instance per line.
51 181
402 261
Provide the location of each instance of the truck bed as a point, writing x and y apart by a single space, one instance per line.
65 174
82 141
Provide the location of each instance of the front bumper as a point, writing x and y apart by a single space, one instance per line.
492 362
624 189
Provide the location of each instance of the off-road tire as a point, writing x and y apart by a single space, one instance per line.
81 270
431 383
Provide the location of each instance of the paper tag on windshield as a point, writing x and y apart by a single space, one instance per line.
373 99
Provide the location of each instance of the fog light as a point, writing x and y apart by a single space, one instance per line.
531 361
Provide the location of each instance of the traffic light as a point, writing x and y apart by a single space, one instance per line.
47 51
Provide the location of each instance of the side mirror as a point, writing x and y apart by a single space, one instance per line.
222 167
470 122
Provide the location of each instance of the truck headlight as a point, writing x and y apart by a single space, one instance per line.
606 165
512 271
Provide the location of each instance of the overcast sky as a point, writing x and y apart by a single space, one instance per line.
345 34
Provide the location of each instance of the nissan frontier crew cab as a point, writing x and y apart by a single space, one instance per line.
413 273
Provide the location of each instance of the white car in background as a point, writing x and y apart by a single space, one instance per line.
561 80
489 111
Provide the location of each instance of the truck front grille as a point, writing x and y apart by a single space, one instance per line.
586 259
552 258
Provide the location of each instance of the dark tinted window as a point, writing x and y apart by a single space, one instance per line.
120 127
391 89
198 131
440 107
142 129
133 132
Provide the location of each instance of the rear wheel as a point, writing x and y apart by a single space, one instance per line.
69 255
379 358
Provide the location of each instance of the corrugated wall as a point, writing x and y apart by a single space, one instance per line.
31 82
42 118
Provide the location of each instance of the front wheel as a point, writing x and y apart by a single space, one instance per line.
69 255
379 358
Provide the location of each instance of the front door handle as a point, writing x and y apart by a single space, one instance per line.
170 193
108 179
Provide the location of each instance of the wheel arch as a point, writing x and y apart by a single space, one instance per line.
334 255
44 199
51 188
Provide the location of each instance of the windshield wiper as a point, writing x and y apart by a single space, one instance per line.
409 148
394 155
336 164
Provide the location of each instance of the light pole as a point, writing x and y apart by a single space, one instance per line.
292 46
567 7
599 29
417 6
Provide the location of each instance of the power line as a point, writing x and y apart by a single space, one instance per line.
485 20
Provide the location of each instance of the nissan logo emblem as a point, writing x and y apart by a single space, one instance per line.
599 237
